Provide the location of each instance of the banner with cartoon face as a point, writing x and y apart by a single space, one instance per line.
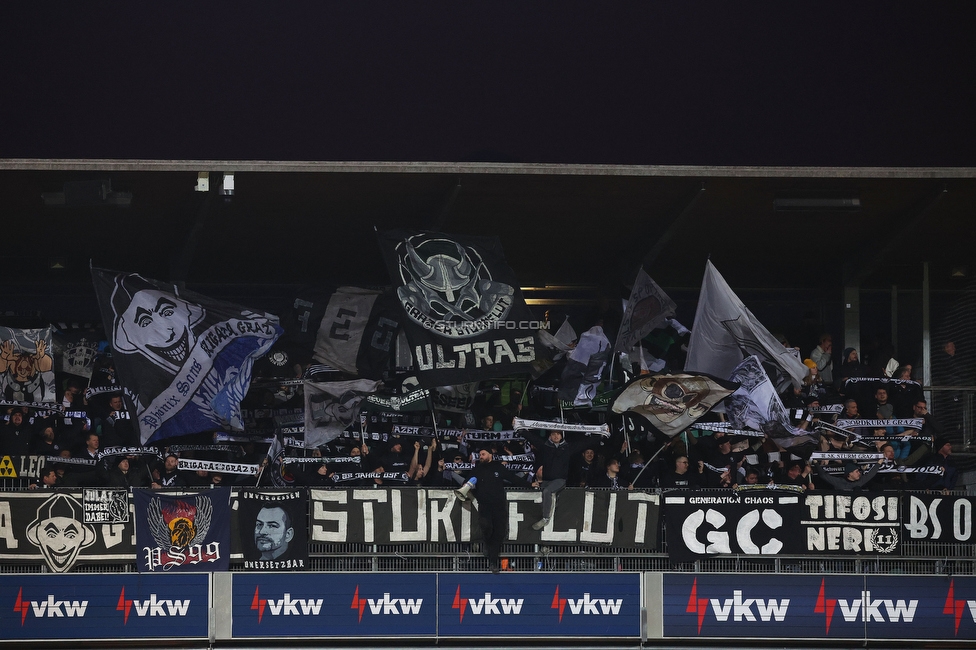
26 366
186 358
465 317
50 527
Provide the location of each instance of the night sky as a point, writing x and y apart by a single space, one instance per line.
727 83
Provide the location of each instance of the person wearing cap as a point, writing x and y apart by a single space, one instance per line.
942 449
490 477
170 476
555 455
853 479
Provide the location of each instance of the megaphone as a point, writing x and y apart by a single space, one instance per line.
463 493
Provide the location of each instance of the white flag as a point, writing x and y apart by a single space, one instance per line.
726 332
647 308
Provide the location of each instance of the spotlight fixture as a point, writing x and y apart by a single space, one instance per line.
227 185
203 182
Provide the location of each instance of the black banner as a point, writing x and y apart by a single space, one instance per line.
46 526
938 518
717 522
464 314
850 523
273 529
397 516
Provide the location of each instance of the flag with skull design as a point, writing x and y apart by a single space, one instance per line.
184 359
672 403
465 319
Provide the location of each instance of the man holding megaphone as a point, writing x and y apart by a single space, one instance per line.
487 484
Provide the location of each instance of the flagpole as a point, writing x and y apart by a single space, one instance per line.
647 463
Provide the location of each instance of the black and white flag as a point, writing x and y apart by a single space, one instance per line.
185 358
332 406
464 314
725 332
647 308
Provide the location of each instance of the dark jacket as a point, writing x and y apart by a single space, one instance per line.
557 459
492 477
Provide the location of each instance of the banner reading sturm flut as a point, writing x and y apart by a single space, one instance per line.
465 316
186 358
182 533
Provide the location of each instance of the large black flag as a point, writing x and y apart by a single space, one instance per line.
465 319
186 358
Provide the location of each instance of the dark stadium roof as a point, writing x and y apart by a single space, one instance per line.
292 223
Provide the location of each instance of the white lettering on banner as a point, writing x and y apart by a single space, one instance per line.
419 534
867 610
856 523
488 605
52 608
336 533
6 526
924 523
155 607
595 606
288 606
640 535
386 605
589 534
112 534
720 540
440 519
367 497
741 610
474 355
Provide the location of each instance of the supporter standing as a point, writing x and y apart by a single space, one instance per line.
823 359
490 477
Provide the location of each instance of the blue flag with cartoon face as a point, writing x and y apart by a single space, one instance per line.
184 359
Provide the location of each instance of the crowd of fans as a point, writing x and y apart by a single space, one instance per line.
904 457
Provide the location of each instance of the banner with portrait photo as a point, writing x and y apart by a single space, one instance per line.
273 530
462 309
182 533
26 366
186 358
41 526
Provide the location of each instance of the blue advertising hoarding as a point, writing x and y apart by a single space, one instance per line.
334 605
819 606
539 604
94 607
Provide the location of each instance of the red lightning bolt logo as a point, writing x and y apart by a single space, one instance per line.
258 603
558 603
124 606
21 606
825 606
359 603
697 605
459 603
954 607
